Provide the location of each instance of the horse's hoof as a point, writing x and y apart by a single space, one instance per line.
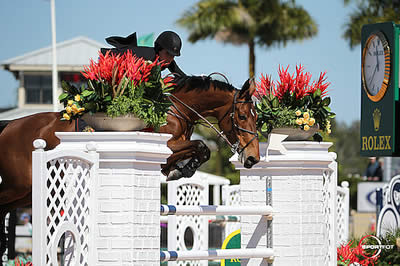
174 175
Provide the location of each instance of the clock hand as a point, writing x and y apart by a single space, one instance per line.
372 77
377 61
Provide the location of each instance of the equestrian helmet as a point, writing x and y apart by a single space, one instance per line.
170 41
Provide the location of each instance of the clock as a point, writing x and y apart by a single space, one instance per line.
376 66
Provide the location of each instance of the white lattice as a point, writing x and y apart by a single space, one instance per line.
61 206
231 197
329 211
188 192
342 213
67 180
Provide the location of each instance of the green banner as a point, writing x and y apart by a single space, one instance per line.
146 40
232 242
380 123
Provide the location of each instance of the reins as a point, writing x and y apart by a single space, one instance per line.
220 133
234 147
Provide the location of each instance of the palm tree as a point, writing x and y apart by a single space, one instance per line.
367 12
251 22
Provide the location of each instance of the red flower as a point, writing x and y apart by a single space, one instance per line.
265 86
301 82
285 84
297 84
110 66
320 84
347 253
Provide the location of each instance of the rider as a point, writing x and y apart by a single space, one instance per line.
167 45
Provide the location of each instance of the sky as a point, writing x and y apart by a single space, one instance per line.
25 27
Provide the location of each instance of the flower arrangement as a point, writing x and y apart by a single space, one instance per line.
293 101
348 255
120 85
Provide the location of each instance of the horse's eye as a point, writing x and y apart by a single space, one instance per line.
242 117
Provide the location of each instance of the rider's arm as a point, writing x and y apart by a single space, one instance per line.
174 69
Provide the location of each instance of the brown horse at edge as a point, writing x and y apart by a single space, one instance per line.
232 108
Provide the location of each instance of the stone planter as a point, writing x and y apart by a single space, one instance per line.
102 122
296 133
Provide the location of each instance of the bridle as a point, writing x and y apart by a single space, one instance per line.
235 127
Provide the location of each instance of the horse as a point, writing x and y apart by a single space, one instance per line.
197 97
192 98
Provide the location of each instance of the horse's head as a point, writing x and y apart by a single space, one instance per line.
240 125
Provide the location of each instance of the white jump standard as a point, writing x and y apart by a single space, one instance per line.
105 197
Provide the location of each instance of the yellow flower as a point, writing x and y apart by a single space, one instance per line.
81 109
306 115
68 109
328 131
306 127
70 102
77 97
298 121
75 109
305 121
298 112
311 122
66 116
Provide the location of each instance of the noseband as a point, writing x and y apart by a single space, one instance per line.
235 127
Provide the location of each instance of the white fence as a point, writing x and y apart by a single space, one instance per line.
64 188
118 222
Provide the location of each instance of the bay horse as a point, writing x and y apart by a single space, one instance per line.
196 97
192 98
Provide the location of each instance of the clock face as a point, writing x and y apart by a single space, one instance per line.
376 66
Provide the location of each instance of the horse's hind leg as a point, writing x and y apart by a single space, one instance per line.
4 209
3 244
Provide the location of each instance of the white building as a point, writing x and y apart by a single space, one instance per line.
33 71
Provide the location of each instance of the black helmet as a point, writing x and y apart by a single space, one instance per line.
170 41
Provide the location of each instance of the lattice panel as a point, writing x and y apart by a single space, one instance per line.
231 196
193 195
341 218
67 184
327 197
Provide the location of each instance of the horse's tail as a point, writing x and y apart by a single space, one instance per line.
3 124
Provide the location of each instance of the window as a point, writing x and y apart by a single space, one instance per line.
38 89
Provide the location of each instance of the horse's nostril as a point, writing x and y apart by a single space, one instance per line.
250 161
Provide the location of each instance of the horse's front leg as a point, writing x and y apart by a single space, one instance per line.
182 150
200 156
184 163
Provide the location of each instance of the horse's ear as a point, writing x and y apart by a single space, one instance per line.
248 88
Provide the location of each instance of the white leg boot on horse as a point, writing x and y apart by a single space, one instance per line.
184 162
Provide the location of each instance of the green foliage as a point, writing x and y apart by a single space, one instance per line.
390 256
387 256
292 112
368 12
147 100
248 22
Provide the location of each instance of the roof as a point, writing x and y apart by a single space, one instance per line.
22 112
212 179
71 56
